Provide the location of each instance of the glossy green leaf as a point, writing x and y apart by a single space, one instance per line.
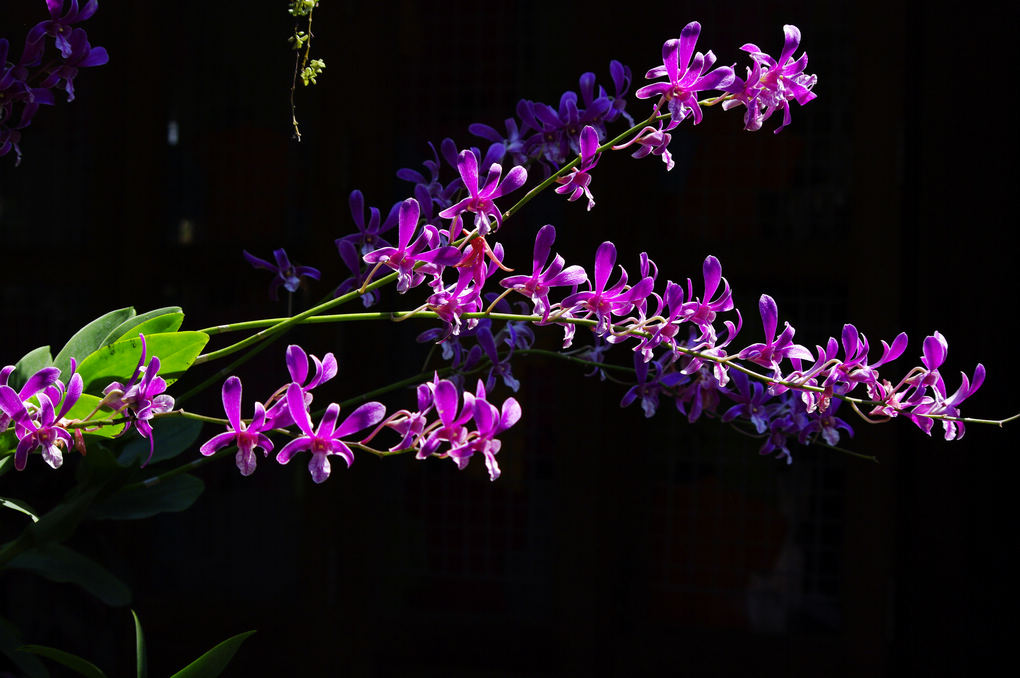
213 662
8 444
141 660
89 338
80 666
85 406
18 505
60 564
170 436
167 319
174 494
117 362
30 363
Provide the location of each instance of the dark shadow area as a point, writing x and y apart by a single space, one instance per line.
613 544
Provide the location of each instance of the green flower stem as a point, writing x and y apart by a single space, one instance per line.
279 325
573 163
222 373
287 323
404 315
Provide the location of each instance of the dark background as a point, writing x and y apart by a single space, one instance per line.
612 544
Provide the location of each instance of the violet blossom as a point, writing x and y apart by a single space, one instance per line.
287 274
686 76
325 440
247 437
480 200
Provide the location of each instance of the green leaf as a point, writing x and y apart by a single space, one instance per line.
10 642
72 661
60 564
170 436
6 463
212 663
117 362
21 506
141 660
86 405
168 496
89 338
99 468
8 444
167 319
30 363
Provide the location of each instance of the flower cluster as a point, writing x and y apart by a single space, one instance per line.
40 425
141 397
29 82
32 409
772 83
447 436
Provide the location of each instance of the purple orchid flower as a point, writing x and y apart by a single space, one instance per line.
369 236
653 140
617 300
451 302
141 398
826 424
41 429
954 430
776 82
650 382
278 415
247 438
349 255
680 92
770 353
489 423
325 440
576 183
513 142
82 55
751 399
538 285
480 200
413 260
702 312
410 425
287 274
452 419
59 27
500 368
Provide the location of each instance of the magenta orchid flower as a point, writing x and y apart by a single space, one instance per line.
605 303
141 398
773 350
775 82
480 200
686 76
576 183
246 437
278 414
42 430
538 285
325 440
413 260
